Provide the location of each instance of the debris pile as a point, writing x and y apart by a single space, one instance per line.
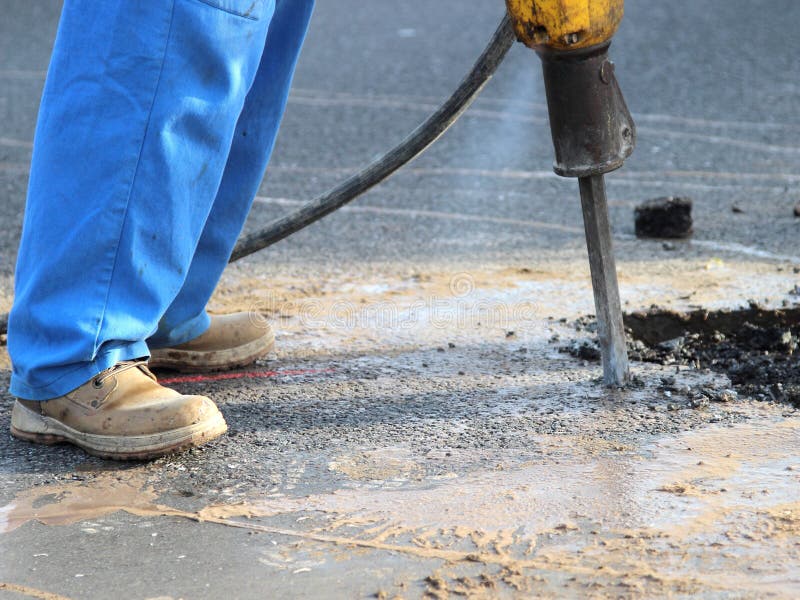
758 349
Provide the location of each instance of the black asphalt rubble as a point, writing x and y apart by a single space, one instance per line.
755 347
664 218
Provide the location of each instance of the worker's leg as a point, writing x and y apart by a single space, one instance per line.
137 118
252 145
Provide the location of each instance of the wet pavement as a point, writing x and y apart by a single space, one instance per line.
418 432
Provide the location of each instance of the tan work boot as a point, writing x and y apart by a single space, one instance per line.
232 341
122 413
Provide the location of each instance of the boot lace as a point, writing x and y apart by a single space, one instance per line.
120 367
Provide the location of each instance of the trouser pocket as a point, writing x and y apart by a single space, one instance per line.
249 9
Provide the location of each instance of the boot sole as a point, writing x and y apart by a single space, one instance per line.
194 361
33 427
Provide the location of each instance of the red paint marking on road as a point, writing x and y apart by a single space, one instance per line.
245 375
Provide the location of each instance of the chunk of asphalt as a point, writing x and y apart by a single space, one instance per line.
667 217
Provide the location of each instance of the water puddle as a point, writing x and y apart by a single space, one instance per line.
70 503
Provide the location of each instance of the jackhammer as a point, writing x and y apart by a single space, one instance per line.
593 133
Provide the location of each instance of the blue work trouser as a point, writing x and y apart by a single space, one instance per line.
156 124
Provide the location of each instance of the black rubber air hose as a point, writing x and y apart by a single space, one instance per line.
411 147
379 170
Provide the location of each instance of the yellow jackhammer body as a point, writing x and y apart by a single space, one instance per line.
593 133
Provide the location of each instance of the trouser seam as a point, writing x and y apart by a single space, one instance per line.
95 346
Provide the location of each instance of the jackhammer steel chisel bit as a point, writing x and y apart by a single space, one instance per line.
593 133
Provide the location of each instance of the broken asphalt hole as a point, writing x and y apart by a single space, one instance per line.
757 348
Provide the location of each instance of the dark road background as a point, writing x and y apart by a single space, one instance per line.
713 86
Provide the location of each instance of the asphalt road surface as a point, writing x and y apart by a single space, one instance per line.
417 431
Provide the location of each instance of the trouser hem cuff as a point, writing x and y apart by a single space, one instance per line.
77 377
181 334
